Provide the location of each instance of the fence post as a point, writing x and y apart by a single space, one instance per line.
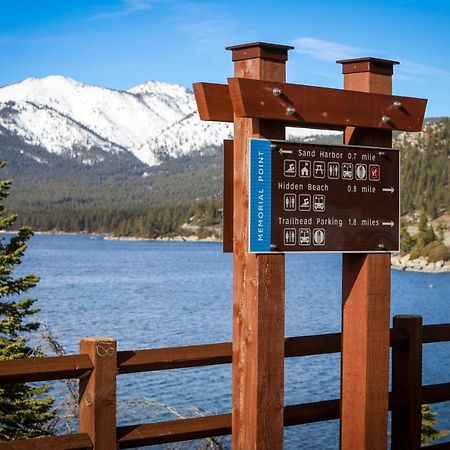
407 385
98 393
366 297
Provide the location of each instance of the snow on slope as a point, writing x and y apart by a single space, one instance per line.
191 134
148 120
124 118
165 98
52 130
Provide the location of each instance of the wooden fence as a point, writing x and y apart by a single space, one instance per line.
98 363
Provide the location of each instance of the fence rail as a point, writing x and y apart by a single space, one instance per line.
408 394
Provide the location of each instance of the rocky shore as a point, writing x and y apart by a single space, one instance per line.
420 264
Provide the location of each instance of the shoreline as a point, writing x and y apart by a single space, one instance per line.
192 238
398 262
109 237
420 264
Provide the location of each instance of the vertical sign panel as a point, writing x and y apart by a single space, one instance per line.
260 195
228 186
321 198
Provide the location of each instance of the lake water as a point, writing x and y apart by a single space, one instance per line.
156 294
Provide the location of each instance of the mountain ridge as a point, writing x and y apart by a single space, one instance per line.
153 120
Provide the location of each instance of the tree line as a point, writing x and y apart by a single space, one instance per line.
151 222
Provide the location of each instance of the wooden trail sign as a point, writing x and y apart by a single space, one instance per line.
261 104
322 198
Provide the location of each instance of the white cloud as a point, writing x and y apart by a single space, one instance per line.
332 51
207 24
409 70
325 50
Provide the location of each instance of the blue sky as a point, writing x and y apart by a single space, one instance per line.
120 43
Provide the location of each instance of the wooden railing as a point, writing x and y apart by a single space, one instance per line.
98 363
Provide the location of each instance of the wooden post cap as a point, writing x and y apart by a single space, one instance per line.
98 339
263 50
368 64
407 317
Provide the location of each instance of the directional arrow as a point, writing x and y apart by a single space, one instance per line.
391 190
282 151
390 224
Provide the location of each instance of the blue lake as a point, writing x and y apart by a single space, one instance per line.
150 294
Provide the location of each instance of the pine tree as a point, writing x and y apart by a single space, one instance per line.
25 411
429 432
406 241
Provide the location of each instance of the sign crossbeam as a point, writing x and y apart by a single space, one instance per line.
308 106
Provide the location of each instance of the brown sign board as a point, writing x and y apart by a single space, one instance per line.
323 198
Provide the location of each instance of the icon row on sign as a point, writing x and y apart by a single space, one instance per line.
331 170
304 236
304 202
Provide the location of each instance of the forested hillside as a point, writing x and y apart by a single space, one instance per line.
124 197
425 159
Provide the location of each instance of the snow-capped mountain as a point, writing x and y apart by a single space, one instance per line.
151 120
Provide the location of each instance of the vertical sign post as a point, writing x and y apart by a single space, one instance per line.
258 280
366 297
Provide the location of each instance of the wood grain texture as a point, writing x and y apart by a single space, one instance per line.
147 360
407 385
202 427
367 82
173 357
365 311
258 307
365 351
173 431
44 369
316 107
97 407
217 425
324 106
213 102
78 441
